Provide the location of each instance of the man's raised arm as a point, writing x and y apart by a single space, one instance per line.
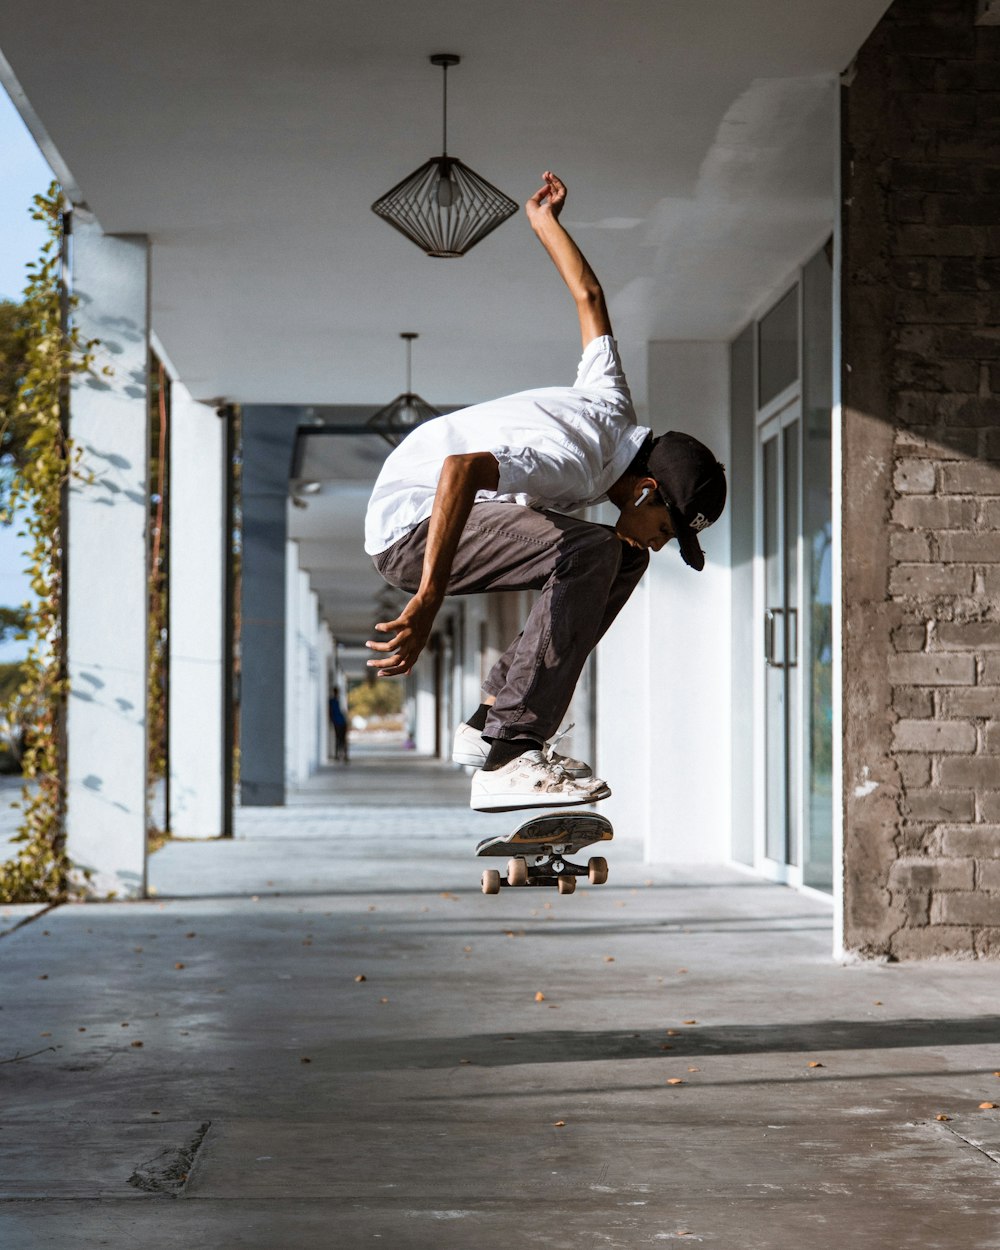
543 211
461 478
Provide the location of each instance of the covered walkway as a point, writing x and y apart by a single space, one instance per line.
322 1034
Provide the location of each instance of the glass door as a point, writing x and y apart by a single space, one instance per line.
779 477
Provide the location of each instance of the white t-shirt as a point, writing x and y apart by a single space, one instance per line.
558 447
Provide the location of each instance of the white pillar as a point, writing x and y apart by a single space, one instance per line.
106 588
307 677
326 681
625 752
197 555
292 605
425 716
680 731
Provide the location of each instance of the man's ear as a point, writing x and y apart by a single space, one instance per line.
647 491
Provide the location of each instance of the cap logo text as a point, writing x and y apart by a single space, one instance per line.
699 523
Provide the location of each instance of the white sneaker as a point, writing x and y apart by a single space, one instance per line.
531 780
471 748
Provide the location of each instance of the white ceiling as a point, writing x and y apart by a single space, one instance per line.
249 139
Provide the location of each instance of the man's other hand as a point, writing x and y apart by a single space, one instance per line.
410 630
548 200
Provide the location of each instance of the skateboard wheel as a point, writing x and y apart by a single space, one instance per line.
597 870
491 881
567 885
517 871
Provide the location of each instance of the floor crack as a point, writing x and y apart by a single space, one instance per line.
991 1155
167 1172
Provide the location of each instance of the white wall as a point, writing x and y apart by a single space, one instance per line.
664 667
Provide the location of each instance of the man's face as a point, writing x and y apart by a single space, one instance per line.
647 526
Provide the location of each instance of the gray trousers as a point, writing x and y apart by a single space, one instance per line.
585 573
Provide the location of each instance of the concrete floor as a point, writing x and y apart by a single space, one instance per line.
207 1068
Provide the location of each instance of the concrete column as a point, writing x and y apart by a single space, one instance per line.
107 567
268 438
198 543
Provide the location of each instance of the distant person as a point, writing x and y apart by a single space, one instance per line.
339 722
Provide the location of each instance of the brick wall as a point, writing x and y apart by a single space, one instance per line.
921 485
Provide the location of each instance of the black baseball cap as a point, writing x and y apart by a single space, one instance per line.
693 486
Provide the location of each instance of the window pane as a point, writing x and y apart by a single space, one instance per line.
817 399
778 345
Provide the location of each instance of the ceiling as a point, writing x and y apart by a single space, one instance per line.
248 141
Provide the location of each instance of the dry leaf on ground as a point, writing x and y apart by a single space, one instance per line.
674 1080
539 997
360 977
988 1106
813 1063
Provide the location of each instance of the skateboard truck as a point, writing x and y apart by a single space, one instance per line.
542 847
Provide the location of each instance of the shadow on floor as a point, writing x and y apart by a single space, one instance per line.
571 1046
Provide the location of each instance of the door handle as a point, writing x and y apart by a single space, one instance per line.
793 637
770 629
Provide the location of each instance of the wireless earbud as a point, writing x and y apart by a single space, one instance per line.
643 497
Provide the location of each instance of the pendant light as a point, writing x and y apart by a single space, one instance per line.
444 206
406 411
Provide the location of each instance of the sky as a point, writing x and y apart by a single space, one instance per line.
25 173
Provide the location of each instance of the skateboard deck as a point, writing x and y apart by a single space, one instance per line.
539 850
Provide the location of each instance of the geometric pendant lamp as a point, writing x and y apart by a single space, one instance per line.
444 206
406 411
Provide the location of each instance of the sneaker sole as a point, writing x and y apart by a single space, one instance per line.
505 803
473 761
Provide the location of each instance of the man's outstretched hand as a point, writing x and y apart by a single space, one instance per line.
548 200
411 630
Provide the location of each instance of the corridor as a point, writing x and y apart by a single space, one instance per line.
321 1034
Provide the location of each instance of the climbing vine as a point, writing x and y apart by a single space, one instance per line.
55 351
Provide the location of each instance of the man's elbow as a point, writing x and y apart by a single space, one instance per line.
590 296
479 469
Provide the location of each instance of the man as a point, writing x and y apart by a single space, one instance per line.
339 722
477 501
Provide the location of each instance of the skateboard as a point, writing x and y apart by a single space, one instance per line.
539 850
